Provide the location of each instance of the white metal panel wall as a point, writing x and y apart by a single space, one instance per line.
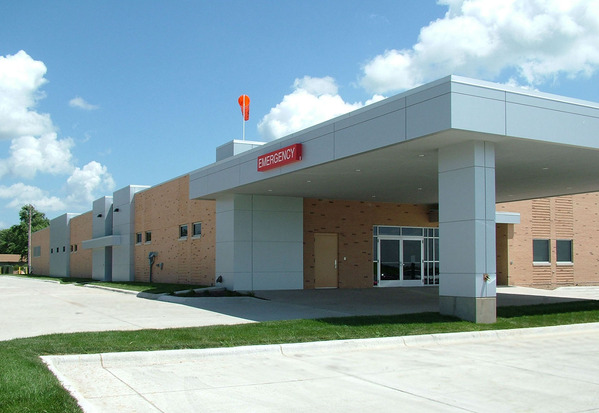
259 242
123 224
101 227
60 244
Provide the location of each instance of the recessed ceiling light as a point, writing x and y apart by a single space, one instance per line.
374 196
421 155
270 190
420 189
358 170
545 168
308 181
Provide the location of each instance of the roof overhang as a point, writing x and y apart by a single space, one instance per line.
545 145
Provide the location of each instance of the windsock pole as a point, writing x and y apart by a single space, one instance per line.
244 103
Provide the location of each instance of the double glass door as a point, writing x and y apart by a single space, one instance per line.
400 261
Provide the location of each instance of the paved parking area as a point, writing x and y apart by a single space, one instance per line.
31 307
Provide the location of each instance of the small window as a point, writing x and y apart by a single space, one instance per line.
72 248
540 251
197 229
75 247
182 231
138 238
37 251
148 236
51 250
64 249
563 251
412 231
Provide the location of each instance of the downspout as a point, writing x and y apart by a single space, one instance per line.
152 258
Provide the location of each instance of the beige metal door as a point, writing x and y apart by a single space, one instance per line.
325 261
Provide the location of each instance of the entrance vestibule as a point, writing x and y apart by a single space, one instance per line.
405 256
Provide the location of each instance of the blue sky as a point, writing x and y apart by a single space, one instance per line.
97 95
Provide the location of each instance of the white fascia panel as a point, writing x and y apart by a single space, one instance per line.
507 217
108 241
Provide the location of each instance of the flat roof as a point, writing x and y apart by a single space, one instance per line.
545 145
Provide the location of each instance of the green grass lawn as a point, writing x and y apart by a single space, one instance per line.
152 288
26 385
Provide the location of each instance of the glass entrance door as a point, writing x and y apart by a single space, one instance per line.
400 261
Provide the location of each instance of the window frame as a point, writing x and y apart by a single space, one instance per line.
571 252
148 237
193 228
138 238
183 231
541 262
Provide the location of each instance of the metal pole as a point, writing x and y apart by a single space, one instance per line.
29 243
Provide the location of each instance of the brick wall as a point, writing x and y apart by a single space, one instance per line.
81 260
41 264
572 217
353 222
161 210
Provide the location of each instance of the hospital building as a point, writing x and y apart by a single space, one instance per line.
460 184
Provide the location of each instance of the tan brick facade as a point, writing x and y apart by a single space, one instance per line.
41 265
353 222
81 259
161 210
573 217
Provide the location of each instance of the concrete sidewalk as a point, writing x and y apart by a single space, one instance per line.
553 369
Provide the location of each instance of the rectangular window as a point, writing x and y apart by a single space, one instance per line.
183 231
72 248
563 251
138 238
148 237
540 251
197 229
37 251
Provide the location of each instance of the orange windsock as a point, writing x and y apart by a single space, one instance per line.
244 103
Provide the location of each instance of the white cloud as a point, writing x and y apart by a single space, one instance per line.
20 194
539 39
84 182
20 80
31 155
37 149
79 102
312 101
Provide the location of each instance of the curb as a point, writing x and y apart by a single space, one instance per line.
116 290
141 358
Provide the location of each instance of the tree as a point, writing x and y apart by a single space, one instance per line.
14 240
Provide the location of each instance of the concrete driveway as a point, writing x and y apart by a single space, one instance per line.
31 307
